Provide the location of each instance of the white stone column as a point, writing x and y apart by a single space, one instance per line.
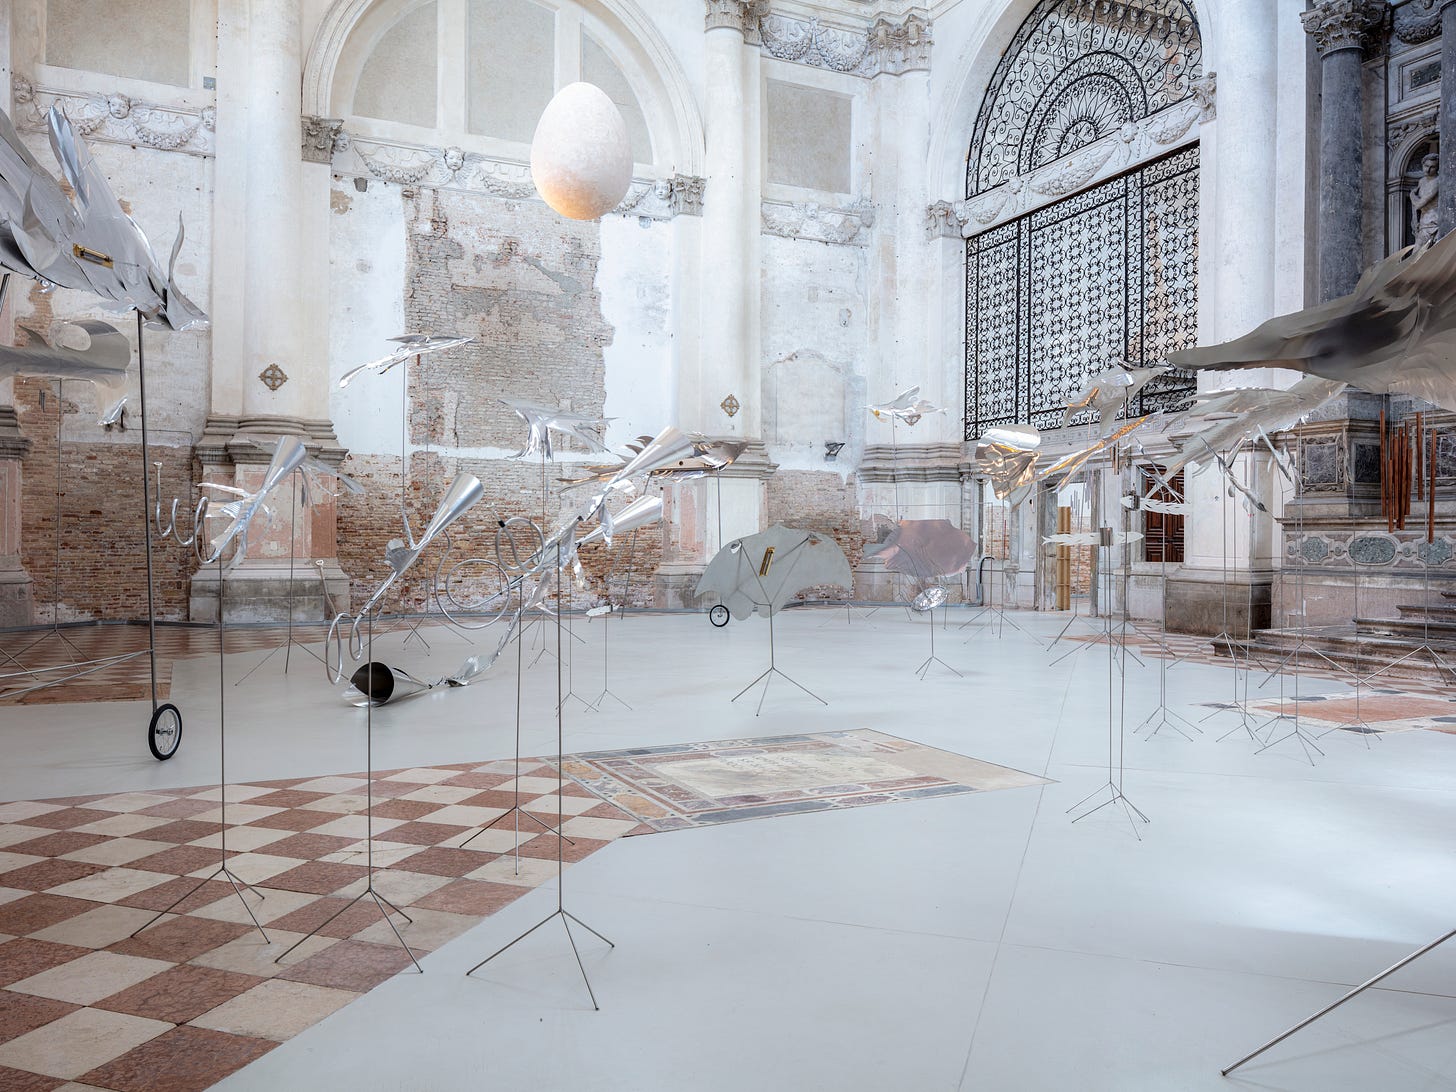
729 359
1226 575
270 302
726 358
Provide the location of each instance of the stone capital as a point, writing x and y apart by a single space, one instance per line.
320 137
740 15
945 220
13 443
902 47
1342 24
685 195
1205 94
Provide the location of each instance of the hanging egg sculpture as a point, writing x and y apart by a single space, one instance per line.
581 158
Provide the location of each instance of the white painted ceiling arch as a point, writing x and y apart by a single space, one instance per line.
613 36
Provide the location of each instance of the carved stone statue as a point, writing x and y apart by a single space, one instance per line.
1423 202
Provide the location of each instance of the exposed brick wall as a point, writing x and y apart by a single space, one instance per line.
102 567
521 280
817 500
367 522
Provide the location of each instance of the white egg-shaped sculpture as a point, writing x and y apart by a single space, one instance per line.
581 158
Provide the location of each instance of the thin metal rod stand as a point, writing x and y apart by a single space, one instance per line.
596 705
1168 719
222 868
1116 796
924 669
767 676
1331 1008
515 808
383 904
567 917
560 912
1298 733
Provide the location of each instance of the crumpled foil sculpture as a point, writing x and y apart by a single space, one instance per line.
672 453
764 571
102 363
409 345
542 421
87 243
1395 332
925 550
1107 392
1007 455
906 406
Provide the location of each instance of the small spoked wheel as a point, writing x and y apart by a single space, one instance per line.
718 615
164 734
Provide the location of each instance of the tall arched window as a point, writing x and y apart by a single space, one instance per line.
1083 169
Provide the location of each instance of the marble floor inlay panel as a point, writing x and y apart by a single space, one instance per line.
198 995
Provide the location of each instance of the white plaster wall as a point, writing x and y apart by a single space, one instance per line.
815 305
634 278
366 287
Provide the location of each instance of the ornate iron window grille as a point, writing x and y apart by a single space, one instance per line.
1108 275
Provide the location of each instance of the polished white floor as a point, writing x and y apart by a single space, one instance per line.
982 942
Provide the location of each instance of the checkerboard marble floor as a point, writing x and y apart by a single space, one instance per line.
86 1004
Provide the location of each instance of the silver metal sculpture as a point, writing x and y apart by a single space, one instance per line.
907 406
1007 454
103 363
1395 332
410 345
1105 536
1110 391
925 550
86 241
381 684
763 572
542 421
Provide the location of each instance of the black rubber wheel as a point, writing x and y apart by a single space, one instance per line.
718 615
164 734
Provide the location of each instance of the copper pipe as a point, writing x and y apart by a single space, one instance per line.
1384 476
1431 503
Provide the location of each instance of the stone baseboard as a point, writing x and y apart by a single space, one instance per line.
265 593
1209 607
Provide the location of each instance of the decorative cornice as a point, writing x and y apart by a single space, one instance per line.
810 42
117 118
1398 132
933 462
1337 25
840 225
230 440
753 463
1134 143
743 16
320 137
470 172
13 443
1419 21
885 47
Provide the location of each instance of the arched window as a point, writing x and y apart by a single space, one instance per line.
1076 270
480 68
1076 71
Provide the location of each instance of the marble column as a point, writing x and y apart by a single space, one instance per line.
270 279
1339 29
726 363
1225 580
1446 202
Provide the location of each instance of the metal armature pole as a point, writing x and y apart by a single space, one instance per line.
1331 1008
